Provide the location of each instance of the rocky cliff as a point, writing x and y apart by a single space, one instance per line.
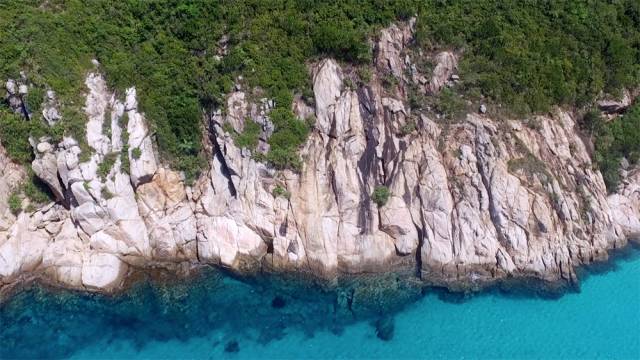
471 202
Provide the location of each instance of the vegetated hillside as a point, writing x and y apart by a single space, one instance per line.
184 56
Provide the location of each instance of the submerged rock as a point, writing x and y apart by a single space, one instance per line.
385 327
278 302
232 347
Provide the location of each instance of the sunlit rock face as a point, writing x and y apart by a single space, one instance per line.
470 202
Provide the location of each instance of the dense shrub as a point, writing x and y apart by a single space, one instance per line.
450 105
288 135
279 190
526 55
136 153
107 163
531 55
14 134
15 203
380 195
250 136
613 141
36 190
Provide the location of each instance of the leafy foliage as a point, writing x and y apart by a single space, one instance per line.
250 136
533 54
107 163
288 135
613 141
15 204
136 153
279 190
36 190
527 55
450 105
15 132
380 195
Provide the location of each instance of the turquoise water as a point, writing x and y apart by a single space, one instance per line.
215 312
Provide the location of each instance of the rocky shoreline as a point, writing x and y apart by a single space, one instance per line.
470 202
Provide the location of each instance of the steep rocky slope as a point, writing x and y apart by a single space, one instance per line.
471 202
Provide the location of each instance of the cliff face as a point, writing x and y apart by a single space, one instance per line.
471 202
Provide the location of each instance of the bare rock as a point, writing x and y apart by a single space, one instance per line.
237 110
613 106
143 167
327 84
45 167
102 271
390 45
446 63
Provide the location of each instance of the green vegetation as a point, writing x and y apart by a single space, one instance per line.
614 140
534 54
250 136
289 134
450 105
408 127
281 191
107 163
136 153
380 195
15 203
15 132
364 74
36 190
106 124
106 194
166 49
526 55
124 153
530 166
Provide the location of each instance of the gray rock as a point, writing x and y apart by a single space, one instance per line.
11 87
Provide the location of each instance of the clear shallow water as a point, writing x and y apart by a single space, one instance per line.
200 319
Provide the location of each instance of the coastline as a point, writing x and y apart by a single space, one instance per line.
214 308
386 283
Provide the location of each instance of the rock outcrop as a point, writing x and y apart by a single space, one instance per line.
470 203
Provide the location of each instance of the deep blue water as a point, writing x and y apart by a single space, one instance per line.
216 316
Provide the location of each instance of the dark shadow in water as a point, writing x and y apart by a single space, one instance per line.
40 322
43 323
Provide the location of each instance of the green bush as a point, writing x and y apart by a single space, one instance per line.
613 141
136 153
14 134
107 163
340 40
106 194
288 135
124 153
380 195
34 100
534 55
450 105
284 159
36 190
250 136
526 56
281 191
15 203
408 128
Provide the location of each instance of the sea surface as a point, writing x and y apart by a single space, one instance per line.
217 316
